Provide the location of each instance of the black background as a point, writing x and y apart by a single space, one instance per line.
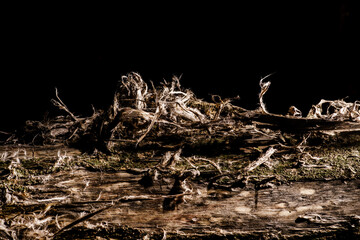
218 48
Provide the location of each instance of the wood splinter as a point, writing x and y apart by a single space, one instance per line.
262 159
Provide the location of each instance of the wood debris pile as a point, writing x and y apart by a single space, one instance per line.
169 116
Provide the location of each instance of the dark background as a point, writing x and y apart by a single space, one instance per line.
310 46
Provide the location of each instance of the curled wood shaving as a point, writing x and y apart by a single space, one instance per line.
264 88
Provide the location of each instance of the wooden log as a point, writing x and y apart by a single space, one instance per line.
78 200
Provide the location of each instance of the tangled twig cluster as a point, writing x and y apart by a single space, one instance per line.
169 115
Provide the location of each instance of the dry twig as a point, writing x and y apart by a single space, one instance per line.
60 104
262 159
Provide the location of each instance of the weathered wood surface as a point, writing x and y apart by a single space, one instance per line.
237 211
330 203
288 210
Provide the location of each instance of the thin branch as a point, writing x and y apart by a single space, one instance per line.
211 162
119 200
60 104
72 224
262 159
